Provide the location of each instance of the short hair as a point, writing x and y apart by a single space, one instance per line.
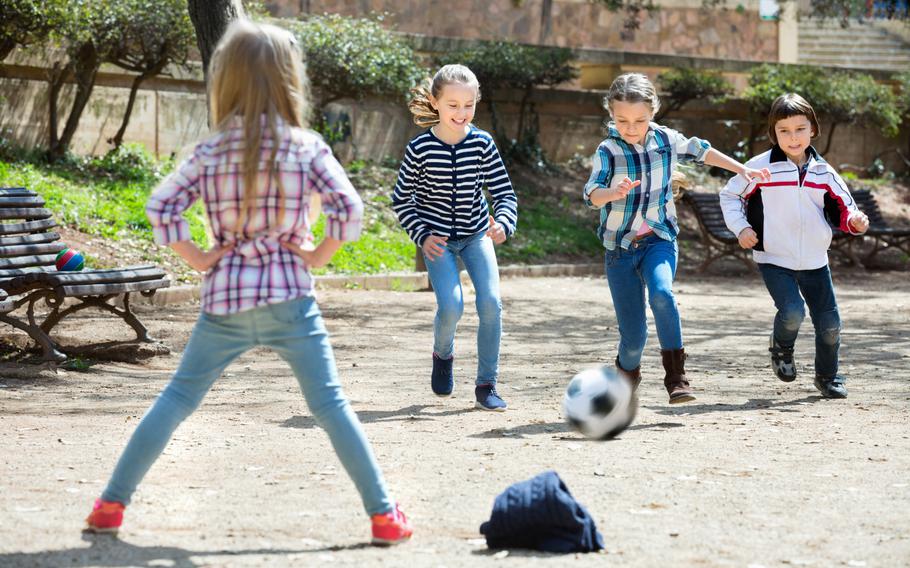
632 88
789 105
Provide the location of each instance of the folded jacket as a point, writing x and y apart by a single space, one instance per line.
541 514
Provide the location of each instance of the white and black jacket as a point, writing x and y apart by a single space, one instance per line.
790 218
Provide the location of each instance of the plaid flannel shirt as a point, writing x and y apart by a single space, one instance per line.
652 201
258 270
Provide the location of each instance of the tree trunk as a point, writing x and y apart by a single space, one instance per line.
210 19
830 137
522 112
117 140
546 21
56 77
85 68
6 47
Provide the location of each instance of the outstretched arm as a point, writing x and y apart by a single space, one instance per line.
721 160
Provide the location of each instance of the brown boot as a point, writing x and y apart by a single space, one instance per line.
675 379
633 376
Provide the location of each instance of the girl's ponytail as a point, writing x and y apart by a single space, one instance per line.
425 115
421 105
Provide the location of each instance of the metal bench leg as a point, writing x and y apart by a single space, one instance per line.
48 347
126 314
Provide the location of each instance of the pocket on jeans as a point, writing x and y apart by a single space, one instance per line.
292 311
610 257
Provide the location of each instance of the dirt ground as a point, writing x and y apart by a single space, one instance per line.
754 473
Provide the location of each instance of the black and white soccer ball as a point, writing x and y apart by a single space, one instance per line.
599 403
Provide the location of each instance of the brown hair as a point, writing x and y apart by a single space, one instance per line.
420 104
632 88
257 74
789 105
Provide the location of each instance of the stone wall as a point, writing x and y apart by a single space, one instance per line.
680 27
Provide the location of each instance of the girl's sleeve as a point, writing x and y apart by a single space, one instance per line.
403 199
505 202
601 174
733 202
170 199
341 204
688 149
839 203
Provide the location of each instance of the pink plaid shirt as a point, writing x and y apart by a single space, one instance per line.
258 270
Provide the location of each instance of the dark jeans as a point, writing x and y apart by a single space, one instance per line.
788 288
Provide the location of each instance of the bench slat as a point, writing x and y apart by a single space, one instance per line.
101 289
107 276
21 201
15 191
27 213
28 227
31 249
34 238
26 261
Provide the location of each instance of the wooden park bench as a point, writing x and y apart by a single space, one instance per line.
718 240
880 233
28 251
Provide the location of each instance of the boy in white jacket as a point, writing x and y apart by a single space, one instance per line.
786 224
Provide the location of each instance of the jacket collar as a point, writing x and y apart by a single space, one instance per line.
778 155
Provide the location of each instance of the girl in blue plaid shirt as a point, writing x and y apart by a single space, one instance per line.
631 185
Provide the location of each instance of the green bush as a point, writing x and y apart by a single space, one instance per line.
681 85
838 97
130 162
355 58
509 65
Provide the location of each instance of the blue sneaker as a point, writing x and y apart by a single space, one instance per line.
442 380
831 387
488 398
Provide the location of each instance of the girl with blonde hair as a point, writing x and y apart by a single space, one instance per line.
256 175
439 200
631 185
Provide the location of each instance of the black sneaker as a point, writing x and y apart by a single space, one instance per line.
488 398
832 387
782 361
442 380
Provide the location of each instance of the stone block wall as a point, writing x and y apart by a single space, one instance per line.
679 28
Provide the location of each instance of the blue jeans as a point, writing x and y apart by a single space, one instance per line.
788 288
479 258
295 330
649 263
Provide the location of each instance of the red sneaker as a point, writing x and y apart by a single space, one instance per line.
106 517
391 528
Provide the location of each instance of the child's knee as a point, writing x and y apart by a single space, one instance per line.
450 313
829 327
489 307
792 316
662 300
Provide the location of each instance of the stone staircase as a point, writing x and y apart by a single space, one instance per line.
861 45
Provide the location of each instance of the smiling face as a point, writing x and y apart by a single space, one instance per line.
456 104
794 134
631 120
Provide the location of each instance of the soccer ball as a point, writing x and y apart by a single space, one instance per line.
599 403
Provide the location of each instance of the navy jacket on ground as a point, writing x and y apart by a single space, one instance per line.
541 514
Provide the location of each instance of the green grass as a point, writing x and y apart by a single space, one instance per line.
105 207
547 232
107 198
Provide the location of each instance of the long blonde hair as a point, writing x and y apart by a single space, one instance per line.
420 104
256 73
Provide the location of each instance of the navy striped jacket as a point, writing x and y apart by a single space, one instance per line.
440 187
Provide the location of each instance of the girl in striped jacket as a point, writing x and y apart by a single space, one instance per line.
440 202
